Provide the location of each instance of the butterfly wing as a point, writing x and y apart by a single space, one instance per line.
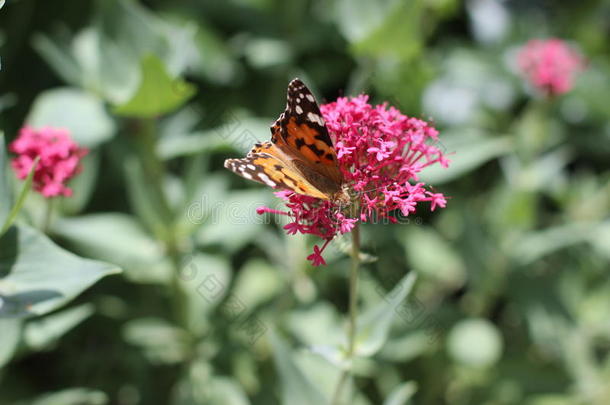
301 133
273 172
301 156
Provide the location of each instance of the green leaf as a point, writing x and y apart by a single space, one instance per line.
142 200
373 327
401 394
25 189
158 92
9 338
257 282
59 57
37 277
6 200
225 391
475 342
432 256
466 151
317 326
357 19
534 245
232 222
218 62
232 131
71 396
81 113
296 388
117 238
407 346
205 279
399 35
161 342
41 333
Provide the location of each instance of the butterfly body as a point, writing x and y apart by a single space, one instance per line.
300 155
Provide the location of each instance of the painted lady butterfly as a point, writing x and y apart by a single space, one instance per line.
300 156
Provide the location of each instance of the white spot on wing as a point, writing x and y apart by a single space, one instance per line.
251 167
315 118
298 109
310 98
266 180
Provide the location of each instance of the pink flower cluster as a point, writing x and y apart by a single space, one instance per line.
59 159
549 65
380 152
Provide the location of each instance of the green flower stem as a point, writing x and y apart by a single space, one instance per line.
48 215
353 313
154 170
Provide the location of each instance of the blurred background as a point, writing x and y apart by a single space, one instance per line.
511 303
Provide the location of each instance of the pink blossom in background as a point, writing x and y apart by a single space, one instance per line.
549 65
59 159
380 152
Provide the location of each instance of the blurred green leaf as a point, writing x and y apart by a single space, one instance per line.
407 347
373 327
534 245
38 277
466 151
142 198
6 200
81 113
117 238
217 61
161 342
401 394
71 396
226 391
25 189
432 256
475 342
59 56
233 221
296 388
257 282
600 239
158 92
206 280
317 325
263 53
551 399
9 338
398 35
237 132
358 19
325 376
40 333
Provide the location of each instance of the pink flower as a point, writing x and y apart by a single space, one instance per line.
316 257
549 65
59 159
380 152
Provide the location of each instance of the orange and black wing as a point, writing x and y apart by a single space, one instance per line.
271 171
301 133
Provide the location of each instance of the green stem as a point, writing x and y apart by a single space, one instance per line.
48 215
353 314
154 171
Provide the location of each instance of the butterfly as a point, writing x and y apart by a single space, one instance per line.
300 156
